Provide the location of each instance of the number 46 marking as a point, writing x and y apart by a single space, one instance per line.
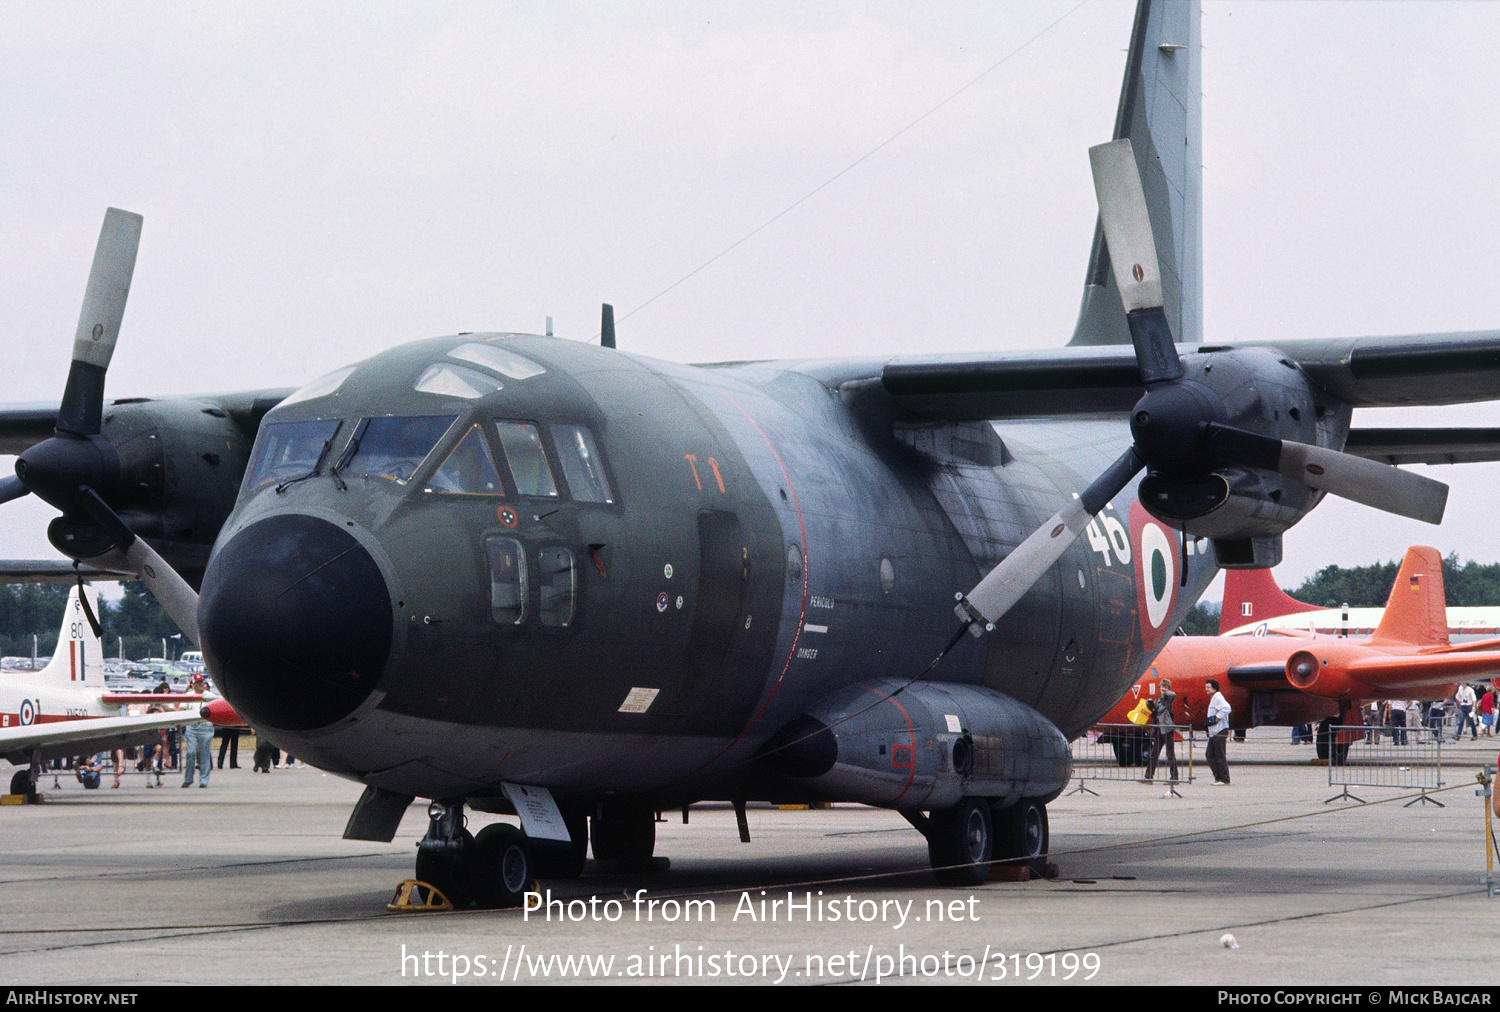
1106 533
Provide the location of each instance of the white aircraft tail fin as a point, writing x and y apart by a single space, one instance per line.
1161 112
79 657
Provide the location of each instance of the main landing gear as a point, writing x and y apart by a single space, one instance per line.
964 840
1326 740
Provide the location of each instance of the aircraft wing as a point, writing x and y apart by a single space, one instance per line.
155 698
1412 369
1425 446
1393 672
22 426
60 738
53 571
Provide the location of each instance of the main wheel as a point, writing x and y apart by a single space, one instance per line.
624 832
1130 747
503 870
20 783
960 842
1022 831
1323 737
450 869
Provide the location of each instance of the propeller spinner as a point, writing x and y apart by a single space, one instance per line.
1179 427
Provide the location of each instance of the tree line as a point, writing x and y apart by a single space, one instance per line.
36 609
1466 585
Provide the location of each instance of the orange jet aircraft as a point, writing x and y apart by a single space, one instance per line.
1290 676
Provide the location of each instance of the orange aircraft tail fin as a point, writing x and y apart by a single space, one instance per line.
1251 595
1417 610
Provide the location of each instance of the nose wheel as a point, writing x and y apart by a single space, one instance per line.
494 869
503 871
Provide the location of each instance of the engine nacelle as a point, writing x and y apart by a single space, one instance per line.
175 470
923 745
1257 390
1326 672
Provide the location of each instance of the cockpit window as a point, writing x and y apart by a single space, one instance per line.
506 363
527 459
290 450
582 467
469 470
394 447
451 380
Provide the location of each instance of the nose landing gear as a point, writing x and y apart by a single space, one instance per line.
495 869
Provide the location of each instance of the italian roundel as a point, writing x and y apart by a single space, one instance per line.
1157 564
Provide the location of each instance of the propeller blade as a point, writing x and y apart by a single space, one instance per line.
1342 474
1132 256
1009 581
11 488
99 322
1370 482
171 591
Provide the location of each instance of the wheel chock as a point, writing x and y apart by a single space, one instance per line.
413 894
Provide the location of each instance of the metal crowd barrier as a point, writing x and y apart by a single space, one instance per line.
1121 751
1410 758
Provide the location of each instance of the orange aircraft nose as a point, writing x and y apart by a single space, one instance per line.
220 714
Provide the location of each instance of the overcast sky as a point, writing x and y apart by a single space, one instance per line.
321 181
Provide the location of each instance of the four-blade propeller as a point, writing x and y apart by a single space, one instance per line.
76 467
1179 429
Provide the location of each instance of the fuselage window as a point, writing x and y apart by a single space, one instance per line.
582 467
527 459
469 470
291 450
507 580
559 586
394 447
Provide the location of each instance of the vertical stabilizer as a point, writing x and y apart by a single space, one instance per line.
79 657
1417 610
1161 112
1251 595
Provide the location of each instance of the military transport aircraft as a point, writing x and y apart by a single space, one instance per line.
1283 675
65 709
518 573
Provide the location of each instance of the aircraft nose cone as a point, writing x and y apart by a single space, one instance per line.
295 621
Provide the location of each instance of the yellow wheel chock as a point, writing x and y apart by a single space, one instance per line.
413 894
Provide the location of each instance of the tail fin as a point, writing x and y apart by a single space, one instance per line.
1161 112
1251 595
1417 610
79 657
